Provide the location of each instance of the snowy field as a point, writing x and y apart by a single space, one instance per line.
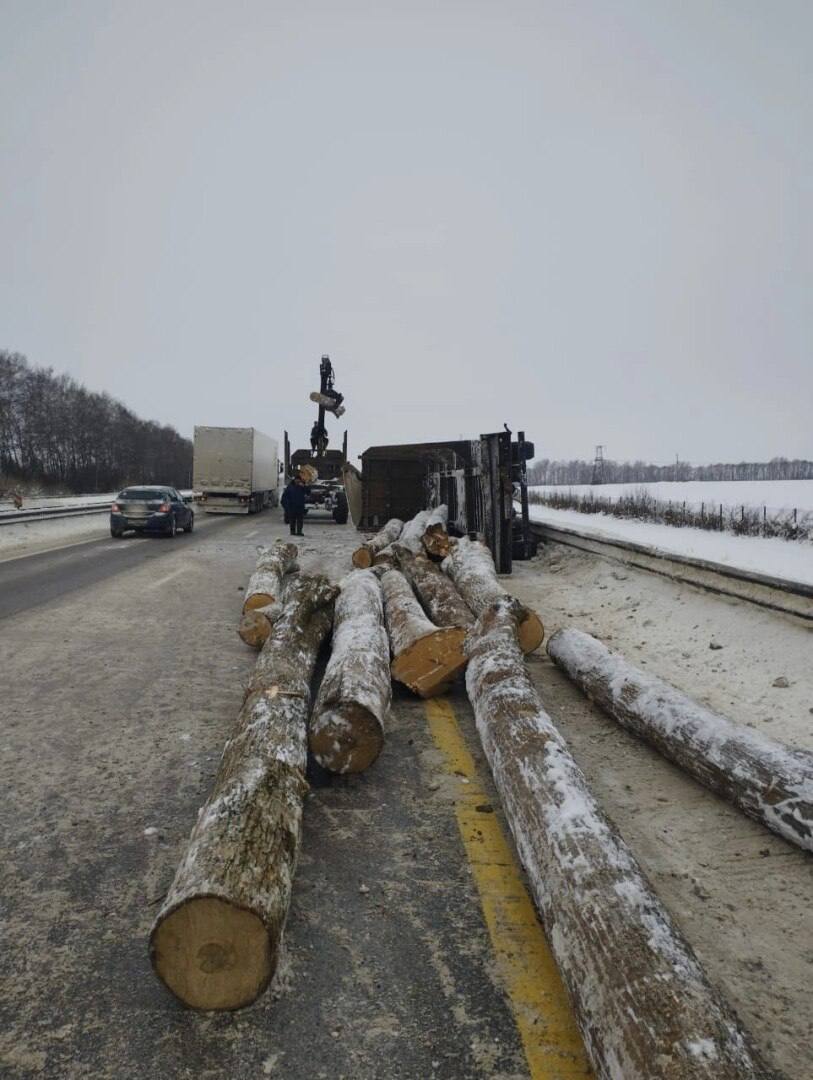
776 495
770 556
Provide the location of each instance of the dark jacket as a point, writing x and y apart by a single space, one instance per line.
293 499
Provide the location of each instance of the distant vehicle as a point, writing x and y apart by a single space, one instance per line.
328 495
235 470
150 509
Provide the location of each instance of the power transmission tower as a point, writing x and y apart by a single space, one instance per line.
598 466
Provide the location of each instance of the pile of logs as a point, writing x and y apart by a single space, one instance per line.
434 587
403 614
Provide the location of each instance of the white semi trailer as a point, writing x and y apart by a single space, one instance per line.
235 470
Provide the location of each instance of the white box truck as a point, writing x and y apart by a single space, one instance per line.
235 470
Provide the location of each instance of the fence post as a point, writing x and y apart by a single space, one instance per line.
721 517
764 519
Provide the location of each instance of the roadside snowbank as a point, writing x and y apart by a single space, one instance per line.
29 537
792 561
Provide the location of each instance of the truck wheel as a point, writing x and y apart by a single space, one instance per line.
340 513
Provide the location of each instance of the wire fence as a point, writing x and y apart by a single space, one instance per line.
742 520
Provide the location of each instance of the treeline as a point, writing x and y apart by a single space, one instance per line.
546 471
57 434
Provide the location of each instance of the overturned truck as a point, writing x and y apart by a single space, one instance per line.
479 480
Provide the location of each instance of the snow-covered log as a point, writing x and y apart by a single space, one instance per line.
767 780
471 568
426 658
412 534
329 403
435 538
436 591
265 584
216 939
644 1005
347 728
364 556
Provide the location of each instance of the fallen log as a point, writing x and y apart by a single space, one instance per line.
426 658
265 584
435 537
347 727
215 942
412 534
364 556
767 780
437 593
471 568
644 1005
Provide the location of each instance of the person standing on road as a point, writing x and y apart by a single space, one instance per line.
293 503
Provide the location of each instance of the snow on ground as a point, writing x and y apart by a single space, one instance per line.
28 537
792 560
777 495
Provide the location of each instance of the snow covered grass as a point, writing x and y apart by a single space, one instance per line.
776 495
767 508
762 555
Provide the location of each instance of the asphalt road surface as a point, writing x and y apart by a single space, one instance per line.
408 942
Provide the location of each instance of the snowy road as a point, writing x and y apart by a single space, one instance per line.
43 577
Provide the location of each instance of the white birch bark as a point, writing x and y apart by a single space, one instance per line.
347 728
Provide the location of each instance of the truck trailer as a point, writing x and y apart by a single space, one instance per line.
235 470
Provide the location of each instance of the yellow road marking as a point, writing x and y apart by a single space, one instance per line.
550 1038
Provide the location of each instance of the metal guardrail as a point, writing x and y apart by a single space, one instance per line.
14 517
94 504
779 594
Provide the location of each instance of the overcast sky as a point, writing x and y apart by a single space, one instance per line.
590 219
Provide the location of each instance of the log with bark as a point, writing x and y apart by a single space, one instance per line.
644 1005
435 537
412 533
364 556
471 568
347 728
265 584
215 943
767 780
426 658
436 591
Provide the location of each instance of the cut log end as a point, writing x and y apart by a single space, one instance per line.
531 632
212 954
254 629
257 600
348 739
432 662
362 559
